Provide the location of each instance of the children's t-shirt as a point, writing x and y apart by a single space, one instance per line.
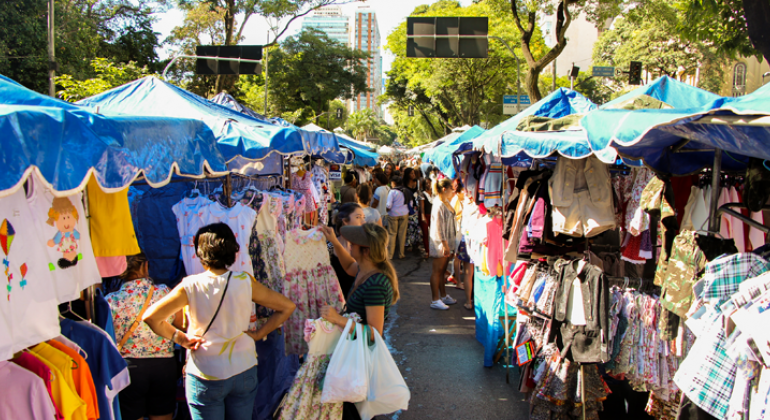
112 229
34 365
81 375
23 394
28 307
63 232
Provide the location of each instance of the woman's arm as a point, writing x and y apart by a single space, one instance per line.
379 222
279 303
347 262
375 200
179 320
375 317
157 315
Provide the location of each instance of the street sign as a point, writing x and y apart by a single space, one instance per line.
209 65
510 103
599 71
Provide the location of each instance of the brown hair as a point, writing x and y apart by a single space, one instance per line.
133 264
364 193
58 206
216 246
441 185
378 254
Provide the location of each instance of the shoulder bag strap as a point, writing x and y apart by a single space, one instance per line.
220 305
138 319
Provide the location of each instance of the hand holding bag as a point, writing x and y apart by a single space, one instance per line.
347 377
388 391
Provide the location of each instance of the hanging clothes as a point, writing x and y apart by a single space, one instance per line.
493 183
61 225
189 218
270 244
304 398
321 183
29 312
310 283
34 365
303 185
23 395
112 229
241 220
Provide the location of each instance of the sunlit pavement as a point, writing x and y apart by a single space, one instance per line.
440 358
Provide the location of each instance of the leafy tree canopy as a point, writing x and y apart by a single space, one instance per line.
108 75
120 30
648 34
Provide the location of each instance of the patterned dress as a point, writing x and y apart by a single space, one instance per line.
304 398
265 250
310 283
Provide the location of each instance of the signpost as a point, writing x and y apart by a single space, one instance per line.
599 71
511 104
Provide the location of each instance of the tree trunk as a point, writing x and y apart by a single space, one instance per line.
757 14
226 82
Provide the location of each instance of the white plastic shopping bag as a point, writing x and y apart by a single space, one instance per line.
387 389
347 377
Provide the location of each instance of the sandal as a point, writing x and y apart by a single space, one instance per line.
451 279
459 286
468 306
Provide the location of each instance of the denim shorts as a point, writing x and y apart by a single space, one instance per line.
231 398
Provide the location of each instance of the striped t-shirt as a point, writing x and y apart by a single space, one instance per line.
374 291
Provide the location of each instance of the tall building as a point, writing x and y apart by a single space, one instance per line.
331 21
367 38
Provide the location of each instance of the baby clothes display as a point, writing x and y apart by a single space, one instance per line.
63 229
304 398
304 184
310 283
189 218
321 183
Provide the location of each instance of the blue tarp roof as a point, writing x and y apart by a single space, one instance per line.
361 155
441 156
65 142
504 140
638 134
237 134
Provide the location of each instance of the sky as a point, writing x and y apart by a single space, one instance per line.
390 13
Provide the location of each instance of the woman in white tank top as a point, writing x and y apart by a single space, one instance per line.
221 378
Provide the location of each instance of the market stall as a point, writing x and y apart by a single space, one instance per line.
639 320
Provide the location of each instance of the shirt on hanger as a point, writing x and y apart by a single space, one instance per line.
118 382
28 308
34 365
241 220
81 375
23 394
112 229
66 366
189 218
65 397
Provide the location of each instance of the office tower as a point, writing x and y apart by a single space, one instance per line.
331 21
367 38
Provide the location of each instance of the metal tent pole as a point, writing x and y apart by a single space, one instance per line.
714 205
505 287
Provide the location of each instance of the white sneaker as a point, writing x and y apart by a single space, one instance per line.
448 300
438 304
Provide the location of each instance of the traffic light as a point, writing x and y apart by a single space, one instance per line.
339 113
410 111
635 73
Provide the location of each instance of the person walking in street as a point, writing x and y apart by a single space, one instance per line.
364 192
348 191
443 234
425 201
150 357
349 214
375 289
221 372
410 192
380 199
398 218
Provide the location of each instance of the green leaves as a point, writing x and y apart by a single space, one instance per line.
108 76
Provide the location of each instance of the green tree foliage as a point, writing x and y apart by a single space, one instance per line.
119 30
448 93
329 120
310 70
108 75
735 27
648 34
363 124
222 22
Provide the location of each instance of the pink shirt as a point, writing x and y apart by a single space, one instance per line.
495 249
23 395
34 365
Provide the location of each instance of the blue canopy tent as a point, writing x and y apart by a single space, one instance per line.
237 134
442 156
658 137
362 155
513 145
65 143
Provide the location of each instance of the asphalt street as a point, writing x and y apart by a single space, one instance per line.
440 358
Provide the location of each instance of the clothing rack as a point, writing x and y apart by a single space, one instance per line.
728 210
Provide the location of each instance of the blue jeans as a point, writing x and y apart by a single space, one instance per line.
228 399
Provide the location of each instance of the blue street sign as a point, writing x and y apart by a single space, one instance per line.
509 99
525 100
603 71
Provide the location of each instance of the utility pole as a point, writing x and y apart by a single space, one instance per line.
554 74
266 74
51 50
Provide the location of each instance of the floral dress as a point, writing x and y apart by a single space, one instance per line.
265 250
126 304
310 283
304 398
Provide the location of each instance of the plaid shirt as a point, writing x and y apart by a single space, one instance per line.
707 375
724 275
